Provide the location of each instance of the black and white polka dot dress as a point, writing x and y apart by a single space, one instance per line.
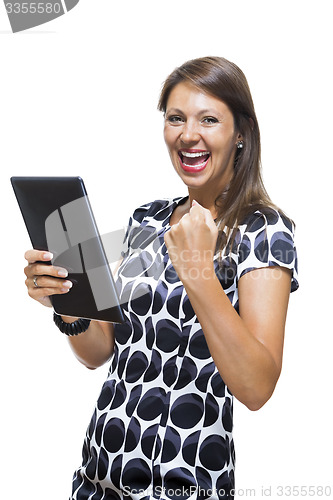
162 426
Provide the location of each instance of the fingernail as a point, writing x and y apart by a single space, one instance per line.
63 273
67 284
47 256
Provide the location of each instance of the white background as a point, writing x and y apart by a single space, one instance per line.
78 97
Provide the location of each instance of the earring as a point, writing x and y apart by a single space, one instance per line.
240 144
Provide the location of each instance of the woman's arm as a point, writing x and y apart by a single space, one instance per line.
93 347
246 348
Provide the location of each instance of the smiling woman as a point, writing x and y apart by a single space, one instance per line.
204 281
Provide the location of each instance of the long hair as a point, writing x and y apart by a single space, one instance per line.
224 80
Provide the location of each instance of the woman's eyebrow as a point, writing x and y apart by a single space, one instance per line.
200 112
212 112
174 110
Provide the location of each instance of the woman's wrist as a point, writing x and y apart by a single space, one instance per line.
197 278
69 319
72 328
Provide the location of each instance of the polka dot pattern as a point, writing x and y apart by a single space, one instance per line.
163 419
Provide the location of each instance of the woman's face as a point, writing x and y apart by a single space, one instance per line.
201 139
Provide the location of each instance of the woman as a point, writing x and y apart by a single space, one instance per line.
205 300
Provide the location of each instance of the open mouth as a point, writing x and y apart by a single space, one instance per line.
193 160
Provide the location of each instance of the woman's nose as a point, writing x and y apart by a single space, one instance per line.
190 133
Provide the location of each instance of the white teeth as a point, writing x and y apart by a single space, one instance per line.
195 166
194 155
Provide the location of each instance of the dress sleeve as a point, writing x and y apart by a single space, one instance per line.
267 239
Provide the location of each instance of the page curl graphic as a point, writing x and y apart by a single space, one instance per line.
26 14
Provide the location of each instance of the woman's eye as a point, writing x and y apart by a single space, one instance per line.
210 120
175 119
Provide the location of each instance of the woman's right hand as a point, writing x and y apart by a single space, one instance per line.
95 346
49 279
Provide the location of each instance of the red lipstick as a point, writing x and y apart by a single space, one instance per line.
193 160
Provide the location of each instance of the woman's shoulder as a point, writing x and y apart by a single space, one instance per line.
264 217
267 239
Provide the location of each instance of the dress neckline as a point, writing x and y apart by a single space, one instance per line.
176 203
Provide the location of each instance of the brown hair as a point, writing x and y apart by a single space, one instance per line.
226 81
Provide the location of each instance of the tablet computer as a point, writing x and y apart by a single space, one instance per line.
59 219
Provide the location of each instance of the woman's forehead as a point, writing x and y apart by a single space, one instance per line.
185 96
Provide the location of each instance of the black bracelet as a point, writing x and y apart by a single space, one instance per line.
71 329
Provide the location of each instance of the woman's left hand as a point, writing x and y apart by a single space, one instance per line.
191 244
